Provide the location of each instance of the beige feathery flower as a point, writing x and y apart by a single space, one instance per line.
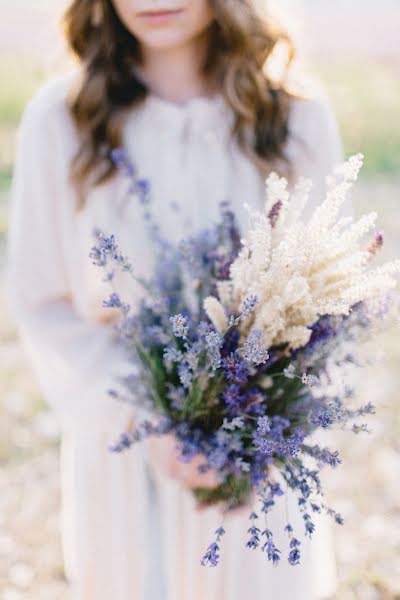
302 268
216 313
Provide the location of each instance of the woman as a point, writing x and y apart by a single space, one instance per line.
181 85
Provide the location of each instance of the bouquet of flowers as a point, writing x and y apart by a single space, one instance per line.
241 343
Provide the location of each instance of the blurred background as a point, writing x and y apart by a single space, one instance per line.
353 47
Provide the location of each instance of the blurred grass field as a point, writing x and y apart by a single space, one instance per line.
365 96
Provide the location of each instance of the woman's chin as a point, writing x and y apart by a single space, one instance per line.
164 39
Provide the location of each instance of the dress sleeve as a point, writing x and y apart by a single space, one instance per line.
316 145
75 361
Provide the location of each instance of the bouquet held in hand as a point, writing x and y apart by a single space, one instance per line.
241 345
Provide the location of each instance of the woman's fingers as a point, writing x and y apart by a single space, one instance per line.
189 475
165 455
202 506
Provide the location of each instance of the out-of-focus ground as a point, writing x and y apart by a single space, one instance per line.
353 47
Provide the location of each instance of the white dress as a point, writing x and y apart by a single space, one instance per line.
128 532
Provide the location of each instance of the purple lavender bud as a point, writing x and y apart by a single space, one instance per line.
180 327
211 557
214 344
249 305
236 370
114 301
376 243
309 525
253 352
269 547
274 213
121 160
263 425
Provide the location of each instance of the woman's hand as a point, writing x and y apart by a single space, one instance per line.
164 456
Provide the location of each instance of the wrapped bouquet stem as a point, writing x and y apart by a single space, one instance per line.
243 344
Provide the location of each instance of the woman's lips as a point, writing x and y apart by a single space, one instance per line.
159 16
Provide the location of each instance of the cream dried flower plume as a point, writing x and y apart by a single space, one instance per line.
301 269
216 313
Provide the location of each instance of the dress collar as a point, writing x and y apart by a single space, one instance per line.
196 103
199 116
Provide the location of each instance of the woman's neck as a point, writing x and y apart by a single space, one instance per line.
175 74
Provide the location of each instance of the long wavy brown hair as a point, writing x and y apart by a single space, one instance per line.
240 43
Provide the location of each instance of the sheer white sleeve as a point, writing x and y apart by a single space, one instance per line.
75 361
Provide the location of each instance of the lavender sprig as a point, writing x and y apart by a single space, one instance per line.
212 556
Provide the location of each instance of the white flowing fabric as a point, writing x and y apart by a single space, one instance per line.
128 532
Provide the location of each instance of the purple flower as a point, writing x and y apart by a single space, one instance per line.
214 344
232 398
367 409
294 554
214 391
106 249
272 490
330 458
309 525
204 328
121 160
269 547
265 446
171 356
263 425
142 187
211 557
252 350
289 530
218 458
324 419
254 402
185 375
235 423
249 305
322 330
109 276
276 489
295 441
114 301
98 257
339 519
279 424
235 369
274 213
220 532
231 341
107 244
376 243
125 441
180 327
254 531
177 396
310 380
